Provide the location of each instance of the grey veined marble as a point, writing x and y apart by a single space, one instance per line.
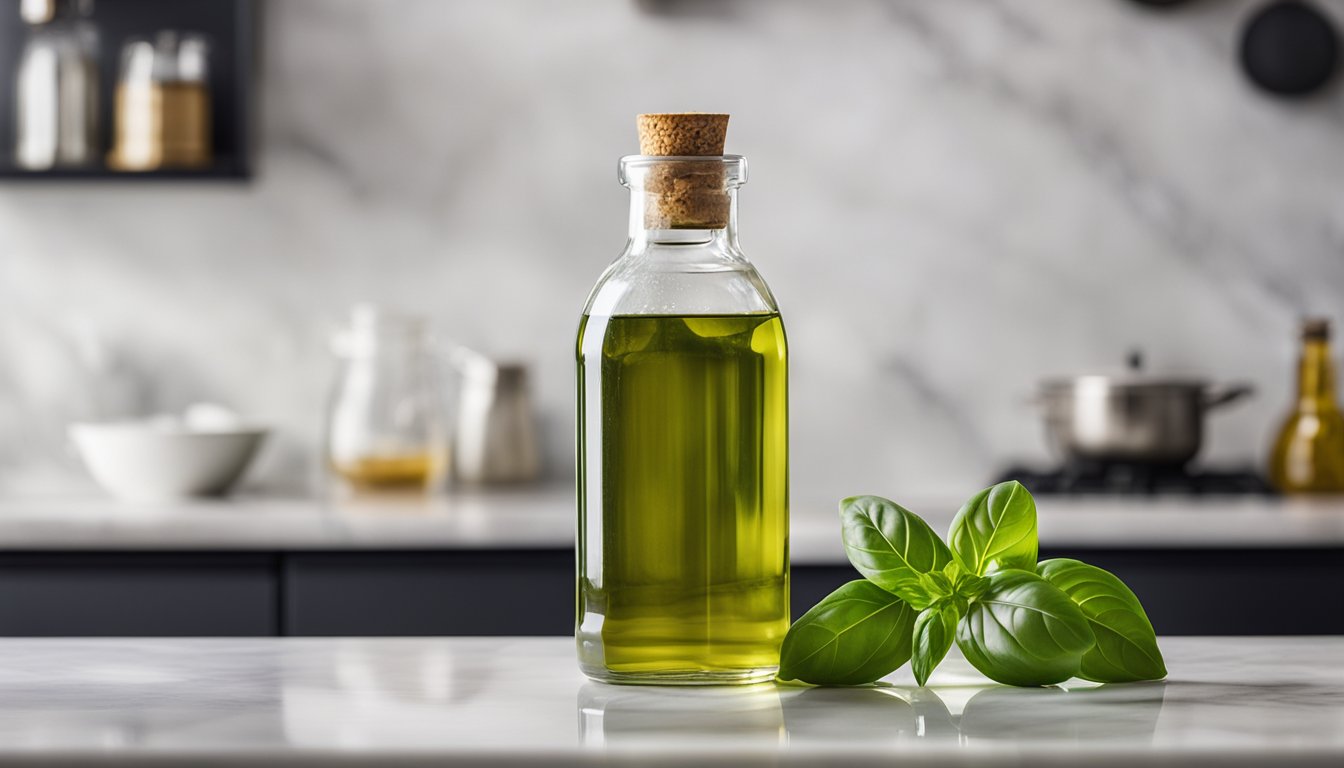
951 200
1229 701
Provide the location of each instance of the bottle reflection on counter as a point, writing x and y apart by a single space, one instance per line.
892 717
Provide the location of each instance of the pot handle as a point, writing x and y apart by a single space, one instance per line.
1222 394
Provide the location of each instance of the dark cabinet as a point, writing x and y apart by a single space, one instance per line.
1234 592
429 593
120 594
515 592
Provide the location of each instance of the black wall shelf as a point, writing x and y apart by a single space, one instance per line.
231 27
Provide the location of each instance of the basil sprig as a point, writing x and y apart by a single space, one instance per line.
1017 622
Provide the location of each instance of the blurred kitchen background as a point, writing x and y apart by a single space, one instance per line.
210 207
951 200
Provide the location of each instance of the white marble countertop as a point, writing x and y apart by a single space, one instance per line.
406 702
544 519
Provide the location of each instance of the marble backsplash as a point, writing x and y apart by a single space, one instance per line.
950 199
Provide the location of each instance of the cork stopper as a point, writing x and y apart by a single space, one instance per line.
1316 329
684 194
682 134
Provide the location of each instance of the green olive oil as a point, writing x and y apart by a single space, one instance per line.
683 532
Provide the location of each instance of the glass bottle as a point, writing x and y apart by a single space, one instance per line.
56 86
162 104
387 418
1308 456
682 443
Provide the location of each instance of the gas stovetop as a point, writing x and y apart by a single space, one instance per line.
1139 480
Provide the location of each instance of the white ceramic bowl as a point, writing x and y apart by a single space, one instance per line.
148 461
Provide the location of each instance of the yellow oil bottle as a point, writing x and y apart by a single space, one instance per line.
1308 454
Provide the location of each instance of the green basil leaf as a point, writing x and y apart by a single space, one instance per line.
935 628
1126 648
1024 631
892 546
996 529
855 635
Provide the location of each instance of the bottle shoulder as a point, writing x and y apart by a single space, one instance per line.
1313 422
678 280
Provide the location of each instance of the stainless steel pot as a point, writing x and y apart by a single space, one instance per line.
1139 420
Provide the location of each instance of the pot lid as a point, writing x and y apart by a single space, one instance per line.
1124 381
1131 378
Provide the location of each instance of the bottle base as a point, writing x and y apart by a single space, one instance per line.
689 677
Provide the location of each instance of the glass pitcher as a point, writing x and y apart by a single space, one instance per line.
387 424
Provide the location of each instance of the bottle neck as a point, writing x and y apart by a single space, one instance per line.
644 237
1316 377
